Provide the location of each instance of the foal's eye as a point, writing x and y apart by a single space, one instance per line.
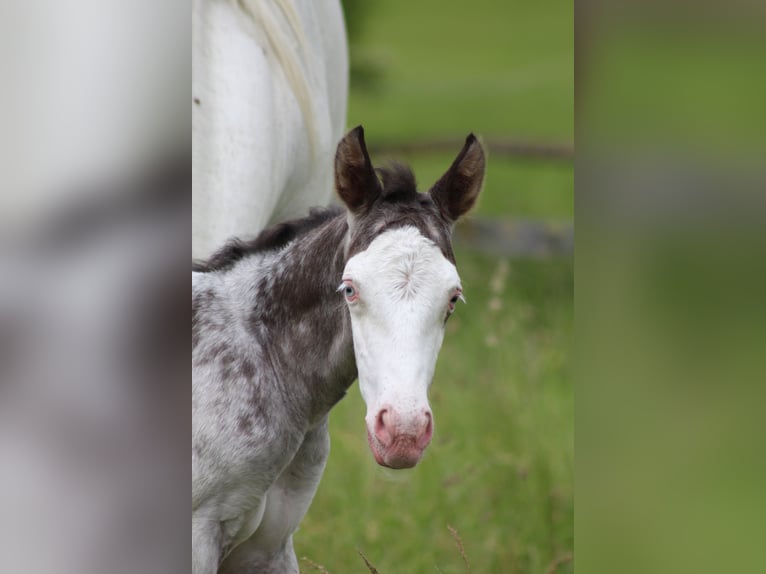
456 296
349 291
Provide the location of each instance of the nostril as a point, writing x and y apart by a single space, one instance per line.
429 426
381 432
379 422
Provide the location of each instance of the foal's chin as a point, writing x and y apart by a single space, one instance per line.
404 452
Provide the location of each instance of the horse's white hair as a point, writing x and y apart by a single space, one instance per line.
270 85
290 48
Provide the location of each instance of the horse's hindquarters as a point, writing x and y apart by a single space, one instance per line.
232 123
269 98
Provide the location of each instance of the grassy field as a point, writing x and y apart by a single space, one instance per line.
500 468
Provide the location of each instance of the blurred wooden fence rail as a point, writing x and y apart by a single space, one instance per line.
497 146
516 237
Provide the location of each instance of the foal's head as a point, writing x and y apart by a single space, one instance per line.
401 285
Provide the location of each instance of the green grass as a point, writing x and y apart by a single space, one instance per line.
497 68
500 467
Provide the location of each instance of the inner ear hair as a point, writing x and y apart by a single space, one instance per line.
457 190
355 179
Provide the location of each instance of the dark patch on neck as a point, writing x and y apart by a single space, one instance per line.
270 239
201 301
401 205
302 275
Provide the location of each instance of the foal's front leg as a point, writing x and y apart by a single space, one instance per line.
270 549
206 546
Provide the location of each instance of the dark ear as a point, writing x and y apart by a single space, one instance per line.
457 190
355 178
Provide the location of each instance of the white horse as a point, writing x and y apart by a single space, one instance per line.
269 93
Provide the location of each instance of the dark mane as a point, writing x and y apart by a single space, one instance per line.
398 205
270 239
398 182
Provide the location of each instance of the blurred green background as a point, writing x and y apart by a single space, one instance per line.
671 325
500 468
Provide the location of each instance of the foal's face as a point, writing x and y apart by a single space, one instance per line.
400 285
400 292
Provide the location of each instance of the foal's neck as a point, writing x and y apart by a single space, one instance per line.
300 320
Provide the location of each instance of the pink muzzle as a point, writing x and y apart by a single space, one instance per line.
398 441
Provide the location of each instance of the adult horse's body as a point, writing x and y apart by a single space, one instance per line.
283 325
269 90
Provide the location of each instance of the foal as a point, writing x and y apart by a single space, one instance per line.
282 326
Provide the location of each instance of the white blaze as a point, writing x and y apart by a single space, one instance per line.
404 284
